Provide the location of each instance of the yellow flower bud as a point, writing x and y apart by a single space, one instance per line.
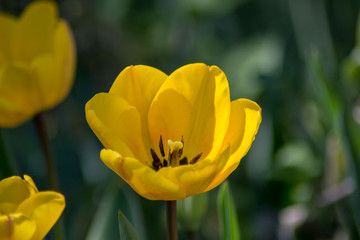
37 62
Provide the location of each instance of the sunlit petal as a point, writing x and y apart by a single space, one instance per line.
138 85
143 179
207 114
244 123
117 125
168 117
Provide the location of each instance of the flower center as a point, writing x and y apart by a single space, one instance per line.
174 157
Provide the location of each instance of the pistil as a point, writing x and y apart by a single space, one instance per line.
175 152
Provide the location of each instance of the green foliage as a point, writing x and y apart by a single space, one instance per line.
127 231
227 214
192 210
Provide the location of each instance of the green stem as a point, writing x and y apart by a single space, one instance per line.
52 176
171 220
46 146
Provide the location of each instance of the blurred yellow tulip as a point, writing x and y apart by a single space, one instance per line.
37 62
170 137
26 213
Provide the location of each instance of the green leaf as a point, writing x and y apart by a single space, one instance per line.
227 212
127 230
191 211
132 204
104 224
105 216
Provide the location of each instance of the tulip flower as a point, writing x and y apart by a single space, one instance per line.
37 62
26 213
170 137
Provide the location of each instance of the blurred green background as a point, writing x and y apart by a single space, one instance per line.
299 59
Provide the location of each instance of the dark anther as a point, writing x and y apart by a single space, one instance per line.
183 161
195 159
165 163
156 161
181 150
161 146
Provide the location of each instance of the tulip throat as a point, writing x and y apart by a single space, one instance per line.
174 156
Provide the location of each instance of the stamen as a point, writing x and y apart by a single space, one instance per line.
161 147
181 150
156 161
195 159
174 159
184 161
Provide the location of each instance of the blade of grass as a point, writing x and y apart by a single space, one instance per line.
126 229
227 214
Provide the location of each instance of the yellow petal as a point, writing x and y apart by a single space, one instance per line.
16 79
138 85
206 119
34 33
45 76
13 191
143 179
53 74
65 55
116 124
7 25
10 116
44 208
16 227
28 179
169 119
245 119
195 178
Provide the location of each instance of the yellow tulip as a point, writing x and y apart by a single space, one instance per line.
37 62
170 137
26 213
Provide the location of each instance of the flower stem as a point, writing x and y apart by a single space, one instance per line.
192 235
52 176
46 146
171 220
